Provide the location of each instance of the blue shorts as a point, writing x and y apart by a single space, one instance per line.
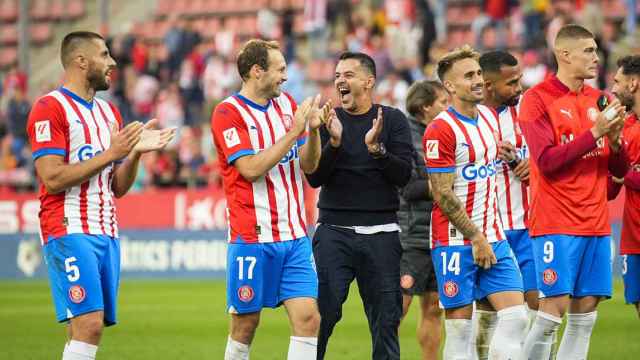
631 277
573 265
461 282
84 273
520 243
265 275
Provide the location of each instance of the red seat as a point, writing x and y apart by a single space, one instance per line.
9 34
8 10
41 33
58 8
39 10
75 9
164 7
8 56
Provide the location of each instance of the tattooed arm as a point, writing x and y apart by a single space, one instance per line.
453 209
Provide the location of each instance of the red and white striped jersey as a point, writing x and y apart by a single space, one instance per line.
456 143
271 208
513 197
62 123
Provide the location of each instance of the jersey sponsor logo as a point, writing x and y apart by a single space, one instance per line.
43 131
77 294
450 288
549 277
472 172
287 120
86 152
245 293
291 155
566 113
432 149
231 137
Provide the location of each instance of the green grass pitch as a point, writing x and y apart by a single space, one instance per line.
177 319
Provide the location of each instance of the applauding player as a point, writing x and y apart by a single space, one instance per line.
84 159
627 89
573 148
260 135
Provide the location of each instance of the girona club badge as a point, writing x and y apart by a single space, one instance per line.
77 294
450 289
245 293
287 120
549 277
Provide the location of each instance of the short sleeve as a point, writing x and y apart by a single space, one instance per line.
47 128
230 133
439 147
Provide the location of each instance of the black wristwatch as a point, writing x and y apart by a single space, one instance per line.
378 151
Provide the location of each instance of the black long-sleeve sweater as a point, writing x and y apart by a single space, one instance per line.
356 188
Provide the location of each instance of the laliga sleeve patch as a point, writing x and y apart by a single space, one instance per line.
43 131
432 149
231 137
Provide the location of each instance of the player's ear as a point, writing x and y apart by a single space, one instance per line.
634 82
371 82
256 71
449 86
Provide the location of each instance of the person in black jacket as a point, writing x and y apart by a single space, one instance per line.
425 100
366 158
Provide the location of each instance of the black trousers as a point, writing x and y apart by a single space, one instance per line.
374 261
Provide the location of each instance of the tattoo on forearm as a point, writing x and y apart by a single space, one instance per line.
442 188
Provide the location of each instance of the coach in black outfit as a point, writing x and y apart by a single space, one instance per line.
366 157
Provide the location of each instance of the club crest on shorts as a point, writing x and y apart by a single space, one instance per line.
245 293
77 294
450 288
549 277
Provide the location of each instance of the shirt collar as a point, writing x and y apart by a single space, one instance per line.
256 106
464 118
74 96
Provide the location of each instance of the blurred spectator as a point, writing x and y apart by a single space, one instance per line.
392 91
225 39
267 25
220 79
143 96
15 79
17 115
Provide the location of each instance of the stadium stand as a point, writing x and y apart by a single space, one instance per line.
176 58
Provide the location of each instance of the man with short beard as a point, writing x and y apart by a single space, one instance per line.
502 75
573 146
264 147
363 164
627 89
84 159
468 246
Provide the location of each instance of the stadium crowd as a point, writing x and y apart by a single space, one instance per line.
179 77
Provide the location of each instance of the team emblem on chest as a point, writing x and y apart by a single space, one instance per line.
287 120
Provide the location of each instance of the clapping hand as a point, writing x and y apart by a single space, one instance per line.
371 137
152 139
